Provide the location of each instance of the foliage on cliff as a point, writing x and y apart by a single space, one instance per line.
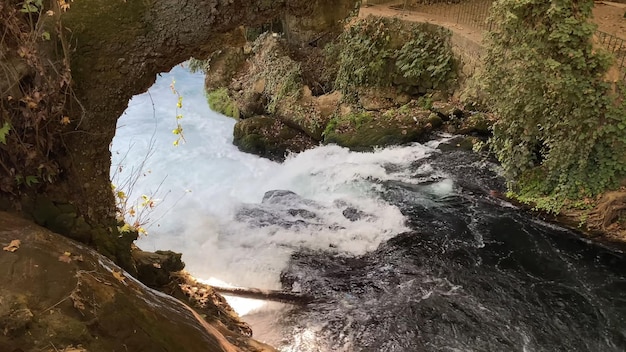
384 51
562 129
33 94
219 100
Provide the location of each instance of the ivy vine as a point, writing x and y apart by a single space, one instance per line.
561 133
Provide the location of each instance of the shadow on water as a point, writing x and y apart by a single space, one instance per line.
472 275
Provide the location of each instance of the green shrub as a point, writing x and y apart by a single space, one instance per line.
384 51
561 132
427 57
220 101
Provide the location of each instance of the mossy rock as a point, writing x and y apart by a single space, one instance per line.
223 67
220 101
478 124
363 131
308 114
269 138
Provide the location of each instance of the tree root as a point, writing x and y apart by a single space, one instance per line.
611 207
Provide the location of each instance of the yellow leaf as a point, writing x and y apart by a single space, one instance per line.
118 275
65 120
71 348
13 246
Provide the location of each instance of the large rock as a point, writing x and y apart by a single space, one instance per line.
226 62
365 130
270 138
309 114
59 295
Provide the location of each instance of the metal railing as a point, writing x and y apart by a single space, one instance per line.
476 14
616 46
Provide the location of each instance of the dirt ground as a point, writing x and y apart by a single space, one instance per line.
608 15
610 18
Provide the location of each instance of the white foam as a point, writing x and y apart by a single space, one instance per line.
206 180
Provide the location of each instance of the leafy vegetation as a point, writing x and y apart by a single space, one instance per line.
196 65
220 101
383 51
561 133
35 96
427 57
284 80
178 131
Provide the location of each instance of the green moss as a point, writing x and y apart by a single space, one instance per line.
367 130
331 126
45 211
269 138
220 101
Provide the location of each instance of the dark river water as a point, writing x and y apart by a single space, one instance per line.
472 274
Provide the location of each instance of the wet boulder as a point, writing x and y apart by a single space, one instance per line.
269 138
281 208
154 268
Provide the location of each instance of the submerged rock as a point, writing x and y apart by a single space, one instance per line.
288 210
282 208
58 293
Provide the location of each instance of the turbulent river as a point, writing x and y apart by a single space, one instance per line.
403 247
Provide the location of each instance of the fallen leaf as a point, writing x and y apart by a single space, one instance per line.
71 348
13 246
118 275
66 257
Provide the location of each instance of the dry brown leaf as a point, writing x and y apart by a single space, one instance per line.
118 275
66 257
13 246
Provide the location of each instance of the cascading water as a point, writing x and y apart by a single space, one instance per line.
403 247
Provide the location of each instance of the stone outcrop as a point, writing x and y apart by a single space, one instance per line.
58 295
270 138
316 95
366 130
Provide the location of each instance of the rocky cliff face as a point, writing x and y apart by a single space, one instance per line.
371 84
